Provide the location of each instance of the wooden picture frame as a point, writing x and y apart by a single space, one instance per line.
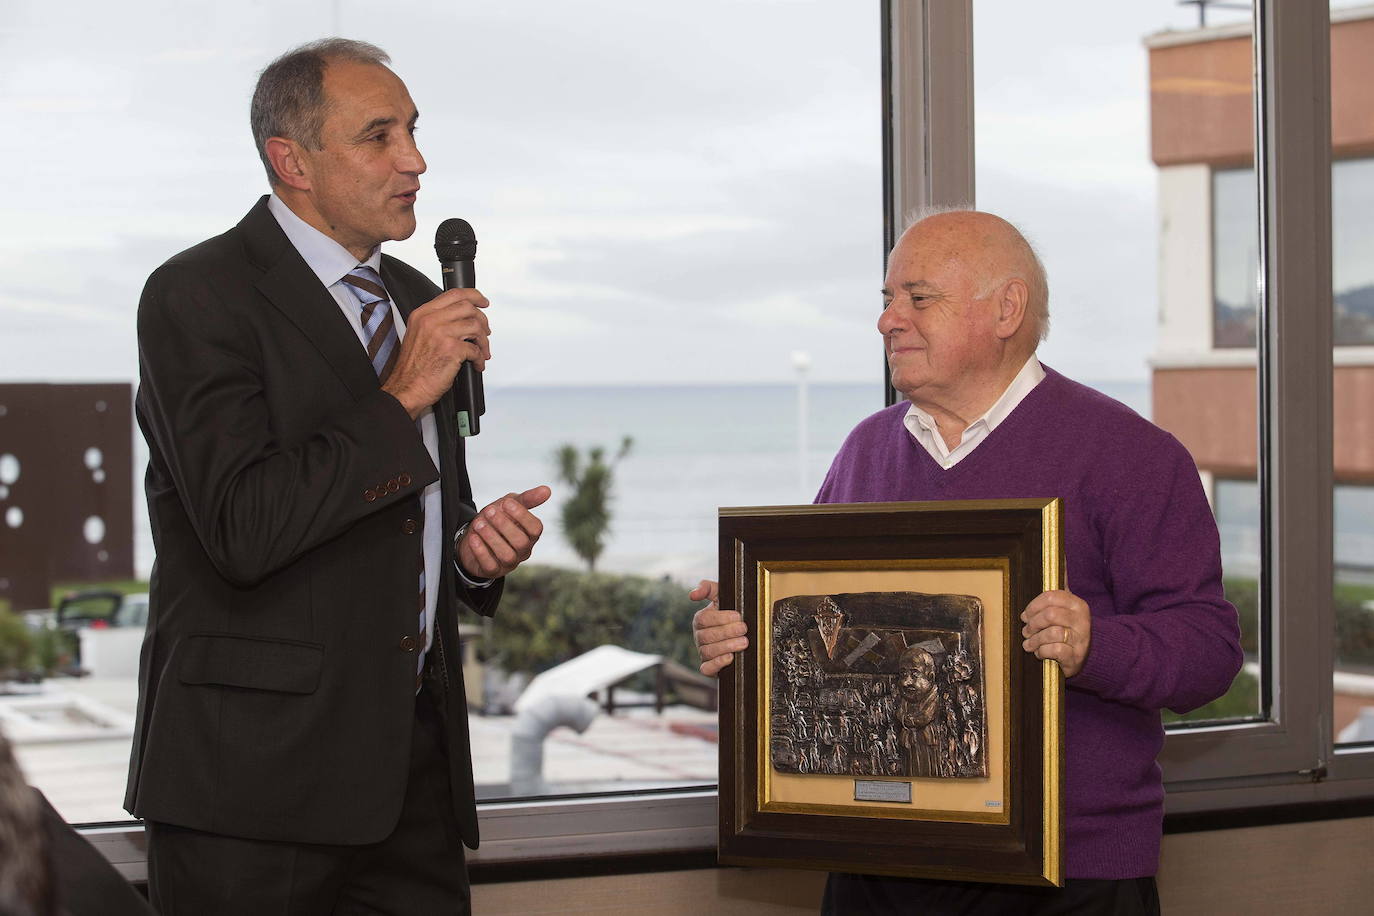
840 598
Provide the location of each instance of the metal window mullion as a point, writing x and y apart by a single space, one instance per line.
931 99
928 107
1294 134
1293 130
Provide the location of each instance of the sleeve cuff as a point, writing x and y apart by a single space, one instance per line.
467 580
1109 653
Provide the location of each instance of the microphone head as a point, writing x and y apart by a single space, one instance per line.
454 240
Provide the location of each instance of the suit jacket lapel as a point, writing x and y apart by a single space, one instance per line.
290 285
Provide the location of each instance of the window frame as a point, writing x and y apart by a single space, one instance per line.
928 102
677 820
1292 54
1289 757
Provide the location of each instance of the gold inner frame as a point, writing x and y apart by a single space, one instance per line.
766 793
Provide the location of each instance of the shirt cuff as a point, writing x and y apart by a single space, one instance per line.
467 580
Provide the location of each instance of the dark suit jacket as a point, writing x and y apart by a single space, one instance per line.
277 678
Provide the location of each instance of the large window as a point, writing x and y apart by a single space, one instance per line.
1098 172
678 210
679 217
1241 363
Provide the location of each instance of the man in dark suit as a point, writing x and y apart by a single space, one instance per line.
302 742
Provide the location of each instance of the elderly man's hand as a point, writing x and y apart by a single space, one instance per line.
719 633
1058 625
502 536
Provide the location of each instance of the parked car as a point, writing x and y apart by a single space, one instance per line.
101 608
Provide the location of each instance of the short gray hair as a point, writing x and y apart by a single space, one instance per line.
289 100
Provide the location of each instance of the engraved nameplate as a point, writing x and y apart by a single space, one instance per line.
881 790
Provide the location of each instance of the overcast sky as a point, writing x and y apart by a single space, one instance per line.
661 192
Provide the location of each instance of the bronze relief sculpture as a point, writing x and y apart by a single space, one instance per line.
878 684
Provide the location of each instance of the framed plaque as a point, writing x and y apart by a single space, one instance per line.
885 719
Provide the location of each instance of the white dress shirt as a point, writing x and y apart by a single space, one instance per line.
926 431
331 262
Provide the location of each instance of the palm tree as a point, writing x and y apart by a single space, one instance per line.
586 515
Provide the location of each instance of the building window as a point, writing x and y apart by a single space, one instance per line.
1352 250
1235 258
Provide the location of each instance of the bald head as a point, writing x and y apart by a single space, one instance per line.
993 251
965 308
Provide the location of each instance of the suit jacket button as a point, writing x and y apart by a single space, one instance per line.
392 486
369 495
404 479
407 643
409 526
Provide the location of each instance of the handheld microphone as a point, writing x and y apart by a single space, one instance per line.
456 245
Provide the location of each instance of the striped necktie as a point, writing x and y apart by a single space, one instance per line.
379 327
383 344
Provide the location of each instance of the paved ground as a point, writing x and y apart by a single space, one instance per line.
633 749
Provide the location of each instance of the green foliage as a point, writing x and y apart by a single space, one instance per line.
549 614
16 645
586 515
1354 639
1354 625
1244 594
54 649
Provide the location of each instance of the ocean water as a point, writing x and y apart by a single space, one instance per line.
696 448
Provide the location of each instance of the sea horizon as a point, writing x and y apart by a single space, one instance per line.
695 449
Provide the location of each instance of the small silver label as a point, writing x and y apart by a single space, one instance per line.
882 790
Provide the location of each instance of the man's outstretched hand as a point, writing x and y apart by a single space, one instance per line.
503 535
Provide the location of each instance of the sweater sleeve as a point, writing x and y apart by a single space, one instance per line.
1171 639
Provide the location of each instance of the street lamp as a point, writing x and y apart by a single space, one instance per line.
801 361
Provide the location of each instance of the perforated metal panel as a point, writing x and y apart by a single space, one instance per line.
66 487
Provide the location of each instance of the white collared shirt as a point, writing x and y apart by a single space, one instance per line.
331 262
926 431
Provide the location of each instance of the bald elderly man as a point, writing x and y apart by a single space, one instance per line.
1146 626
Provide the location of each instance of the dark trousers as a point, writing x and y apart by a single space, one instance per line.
852 895
418 870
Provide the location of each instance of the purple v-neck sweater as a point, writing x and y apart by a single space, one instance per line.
1141 549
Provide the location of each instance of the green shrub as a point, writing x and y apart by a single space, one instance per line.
54 649
1354 634
1354 625
1244 594
16 645
549 614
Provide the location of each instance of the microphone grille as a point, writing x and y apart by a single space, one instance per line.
454 240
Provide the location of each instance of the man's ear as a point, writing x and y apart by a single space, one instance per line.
289 162
1012 302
